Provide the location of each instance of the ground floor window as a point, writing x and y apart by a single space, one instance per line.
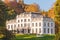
32 30
8 26
39 30
36 30
44 30
12 27
48 30
51 31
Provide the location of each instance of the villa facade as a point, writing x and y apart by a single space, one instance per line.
33 23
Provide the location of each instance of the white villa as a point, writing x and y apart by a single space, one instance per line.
32 22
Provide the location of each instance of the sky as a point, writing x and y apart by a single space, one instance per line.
43 4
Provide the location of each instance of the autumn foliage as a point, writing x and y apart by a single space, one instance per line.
22 7
51 13
32 8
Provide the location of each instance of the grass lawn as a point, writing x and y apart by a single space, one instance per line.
33 37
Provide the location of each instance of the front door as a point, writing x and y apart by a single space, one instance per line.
25 31
28 30
22 31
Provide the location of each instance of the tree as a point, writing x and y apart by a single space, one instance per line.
32 8
7 35
5 14
57 18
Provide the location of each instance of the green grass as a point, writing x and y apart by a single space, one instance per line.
33 37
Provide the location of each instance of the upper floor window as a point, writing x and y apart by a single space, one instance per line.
39 24
24 20
14 25
44 24
21 25
18 21
28 19
36 24
21 20
11 26
25 25
18 25
39 30
51 24
48 24
28 24
33 24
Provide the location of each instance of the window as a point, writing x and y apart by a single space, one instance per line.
18 21
48 24
48 30
39 30
14 26
18 25
21 25
44 24
33 24
51 31
24 20
36 24
36 30
25 25
32 30
21 20
28 24
51 24
8 26
28 19
44 30
39 24
11 26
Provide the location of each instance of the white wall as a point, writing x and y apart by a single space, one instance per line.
39 20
